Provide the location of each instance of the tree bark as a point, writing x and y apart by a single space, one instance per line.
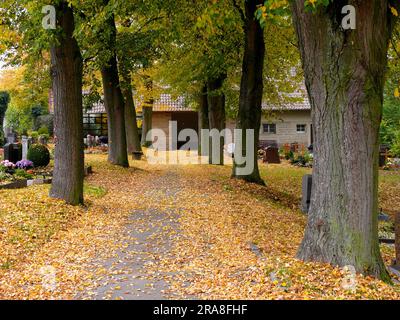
147 110
203 118
114 103
216 116
132 131
66 69
397 239
344 73
251 88
147 124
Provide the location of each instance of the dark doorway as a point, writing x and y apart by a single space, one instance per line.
186 120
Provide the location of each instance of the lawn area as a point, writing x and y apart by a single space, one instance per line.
233 240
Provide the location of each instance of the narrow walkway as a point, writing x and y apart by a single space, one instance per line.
148 238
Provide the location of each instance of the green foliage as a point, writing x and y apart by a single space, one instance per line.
94 191
289 155
390 126
39 155
301 159
34 135
21 173
395 147
43 130
19 119
45 121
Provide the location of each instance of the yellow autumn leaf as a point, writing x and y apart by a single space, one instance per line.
394 11
397 93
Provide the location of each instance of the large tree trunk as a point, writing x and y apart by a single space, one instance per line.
217 118
114 103
131 127
251 88
203 119
344 73
66 69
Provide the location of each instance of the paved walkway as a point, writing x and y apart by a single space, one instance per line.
148 237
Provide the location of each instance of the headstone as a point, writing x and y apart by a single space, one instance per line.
90 141
11 138
272 155
13 152
25 147
306 193
42 140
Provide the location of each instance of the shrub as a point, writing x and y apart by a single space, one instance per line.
43 130
289 155
39 155
34 135
21 173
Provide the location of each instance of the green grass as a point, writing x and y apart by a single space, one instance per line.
94 191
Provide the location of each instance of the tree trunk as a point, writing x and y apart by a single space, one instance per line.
203 119
147 123
132 131
66 69
344 73
217 117
114 103
251 88
397 239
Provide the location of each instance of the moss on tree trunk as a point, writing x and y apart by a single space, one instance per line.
344 73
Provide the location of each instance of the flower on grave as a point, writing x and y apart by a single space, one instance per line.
7 164
24 164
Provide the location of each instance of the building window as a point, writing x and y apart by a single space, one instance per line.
301 128
269 128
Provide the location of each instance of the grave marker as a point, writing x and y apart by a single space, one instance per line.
306 193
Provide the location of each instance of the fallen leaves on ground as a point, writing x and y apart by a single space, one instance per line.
232 241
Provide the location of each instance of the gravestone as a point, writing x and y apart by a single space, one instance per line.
90 141
25 147
13 152
306 193
271 155
11 137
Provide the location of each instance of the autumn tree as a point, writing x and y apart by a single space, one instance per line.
30 42
345 75
66 70
251 87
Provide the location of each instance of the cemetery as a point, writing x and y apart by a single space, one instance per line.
100 101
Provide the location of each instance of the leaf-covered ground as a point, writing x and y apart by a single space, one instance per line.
171 231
